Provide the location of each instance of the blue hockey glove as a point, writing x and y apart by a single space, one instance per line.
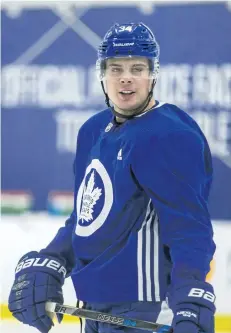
38 278
193 308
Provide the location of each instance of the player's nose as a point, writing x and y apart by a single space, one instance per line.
126 79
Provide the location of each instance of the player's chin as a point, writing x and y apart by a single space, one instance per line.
131 109
128 106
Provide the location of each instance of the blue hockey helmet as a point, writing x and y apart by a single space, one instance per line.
129 40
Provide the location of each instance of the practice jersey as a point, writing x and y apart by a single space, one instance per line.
140 219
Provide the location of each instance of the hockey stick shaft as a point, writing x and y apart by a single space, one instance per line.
107 318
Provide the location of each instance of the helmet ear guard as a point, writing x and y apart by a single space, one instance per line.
154 66
100 69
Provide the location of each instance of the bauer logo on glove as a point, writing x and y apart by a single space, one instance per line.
41 262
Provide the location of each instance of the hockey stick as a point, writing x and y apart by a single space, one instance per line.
107 318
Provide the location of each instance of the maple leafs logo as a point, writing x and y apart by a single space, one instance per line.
90 196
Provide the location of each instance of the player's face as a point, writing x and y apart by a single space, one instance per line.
127 82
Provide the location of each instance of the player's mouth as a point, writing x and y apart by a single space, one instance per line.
126 94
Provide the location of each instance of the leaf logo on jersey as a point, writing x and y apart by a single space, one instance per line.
94 199
90 197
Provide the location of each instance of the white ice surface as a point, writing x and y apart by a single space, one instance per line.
14 327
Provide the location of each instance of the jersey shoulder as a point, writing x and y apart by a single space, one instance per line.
171 133
166 118
169 125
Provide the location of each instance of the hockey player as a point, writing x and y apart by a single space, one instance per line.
140 233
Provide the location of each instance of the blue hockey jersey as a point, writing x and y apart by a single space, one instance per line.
140 218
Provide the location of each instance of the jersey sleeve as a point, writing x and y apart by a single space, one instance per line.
176 173
61 245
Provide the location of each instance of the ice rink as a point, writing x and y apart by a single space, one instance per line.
14 327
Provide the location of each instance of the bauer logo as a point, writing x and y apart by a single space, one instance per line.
122 44
41 262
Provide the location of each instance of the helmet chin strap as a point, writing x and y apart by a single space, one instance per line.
140 109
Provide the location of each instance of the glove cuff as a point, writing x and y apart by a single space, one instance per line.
186 312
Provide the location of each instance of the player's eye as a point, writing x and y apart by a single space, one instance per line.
137 69
116 69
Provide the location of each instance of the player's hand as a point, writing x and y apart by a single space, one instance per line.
193 308
38 278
